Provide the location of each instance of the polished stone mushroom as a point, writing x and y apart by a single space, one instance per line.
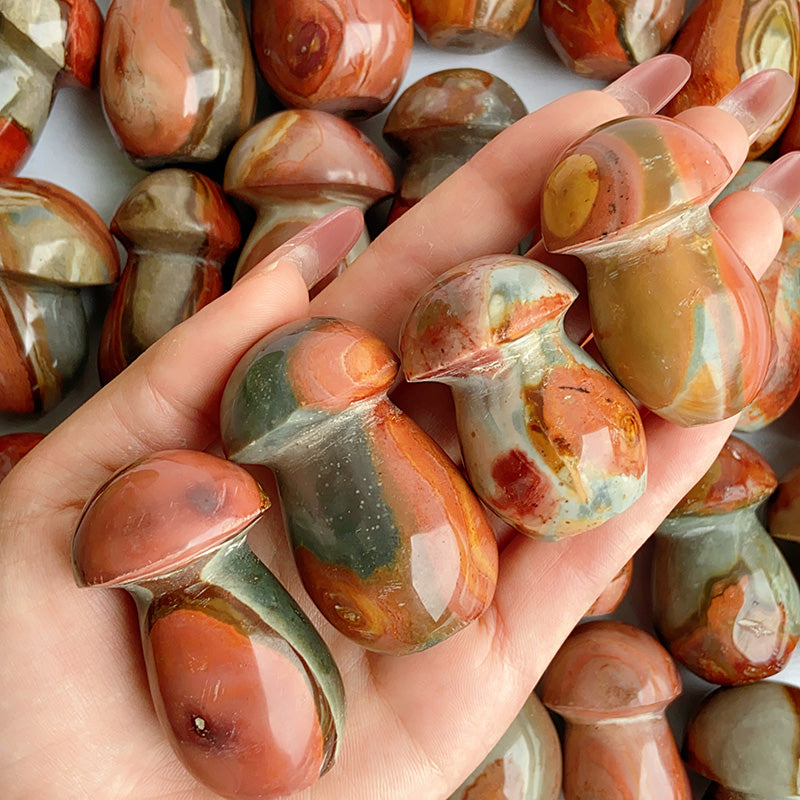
243 685
52 244
296 166
440 121
611 683
178 229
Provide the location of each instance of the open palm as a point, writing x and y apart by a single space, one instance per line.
78 720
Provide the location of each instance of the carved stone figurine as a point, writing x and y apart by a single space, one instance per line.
51 244
780 285
747 740
389 540
550 441
296 166
441 121
728 40
612 683
243 685
724 600
645 233
470 27
605 39
13 446
44 45
178 229
346 57
177 78
524 765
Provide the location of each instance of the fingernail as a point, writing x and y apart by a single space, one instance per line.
651 84
758 100
780 184
318 248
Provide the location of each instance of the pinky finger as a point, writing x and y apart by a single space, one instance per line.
753 218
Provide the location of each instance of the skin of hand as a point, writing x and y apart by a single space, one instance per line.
77 716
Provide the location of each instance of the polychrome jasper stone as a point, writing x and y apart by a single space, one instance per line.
724 599
550 441
747 740
524 765
346 57
13 446
472 27
51 245
605 39
44 45
389 540
678 317
728 40
611 683
780 286
783 512
296 166
610 598
441 121
178 229
244 687
177 78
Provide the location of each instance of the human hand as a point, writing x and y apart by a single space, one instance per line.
78 717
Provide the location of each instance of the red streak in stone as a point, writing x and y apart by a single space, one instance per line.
521 487
14 147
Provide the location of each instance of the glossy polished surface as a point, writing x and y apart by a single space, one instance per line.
440 122
343 56
524 765
727 40
550 441
724 599
177 78
44 44
605 39
630 200
51 245
612 683
747 740
476 26
178 229
245 689
389 540
296 166
780 286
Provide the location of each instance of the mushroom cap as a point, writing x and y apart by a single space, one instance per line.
739 477
783 513
48 233
607 669
625 176
295 153
298 375
160 513
463 319
462 102
177 211
747 738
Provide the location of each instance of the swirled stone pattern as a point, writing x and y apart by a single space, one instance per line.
678 317
389 540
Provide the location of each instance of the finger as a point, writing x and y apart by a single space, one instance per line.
169 396
487 206
762 207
